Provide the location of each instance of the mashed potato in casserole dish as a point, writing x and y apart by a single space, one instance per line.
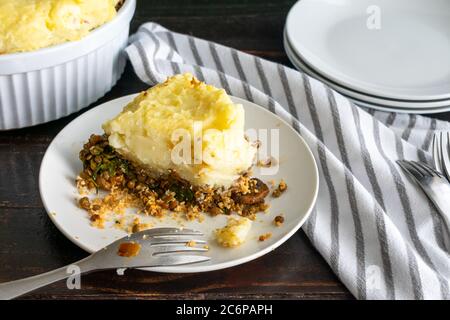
27 25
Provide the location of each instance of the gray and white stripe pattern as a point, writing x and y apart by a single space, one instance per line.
378 232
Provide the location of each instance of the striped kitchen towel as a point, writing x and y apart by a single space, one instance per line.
375 228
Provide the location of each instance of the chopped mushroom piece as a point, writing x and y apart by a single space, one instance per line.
258 192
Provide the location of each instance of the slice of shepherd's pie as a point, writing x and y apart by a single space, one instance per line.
149 128
143 160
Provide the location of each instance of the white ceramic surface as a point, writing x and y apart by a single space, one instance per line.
370 101
406 59
297 166
50 83
398 110
299 63
372 105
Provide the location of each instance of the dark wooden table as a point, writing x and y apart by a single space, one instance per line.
30 244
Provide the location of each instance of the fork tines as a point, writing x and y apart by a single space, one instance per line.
419 169
177 260
175 249
171 240
164 232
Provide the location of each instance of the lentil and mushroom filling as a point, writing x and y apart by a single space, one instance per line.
129 186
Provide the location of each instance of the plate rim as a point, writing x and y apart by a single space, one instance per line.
299 63
365 104
194 268
360 102
357 85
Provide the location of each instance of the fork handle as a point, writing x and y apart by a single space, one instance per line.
13 289
443 208
438 194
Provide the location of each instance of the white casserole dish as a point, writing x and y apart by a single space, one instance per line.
50 83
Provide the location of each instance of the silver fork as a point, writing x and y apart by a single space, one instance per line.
158 247
441 156
434 184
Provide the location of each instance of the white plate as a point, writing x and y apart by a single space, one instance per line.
381 107
399 110
406 59
60 167
398 104
369 101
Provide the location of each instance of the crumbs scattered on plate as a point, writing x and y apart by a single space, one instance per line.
282 187
278 221
265 236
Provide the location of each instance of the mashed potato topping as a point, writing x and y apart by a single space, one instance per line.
27 25
234 233
152 131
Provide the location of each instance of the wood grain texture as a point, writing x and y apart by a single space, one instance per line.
31 244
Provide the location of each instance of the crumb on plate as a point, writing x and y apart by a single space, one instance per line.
279 220
267 163
265 236
191 243
282 186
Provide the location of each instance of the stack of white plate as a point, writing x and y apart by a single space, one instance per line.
382 54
